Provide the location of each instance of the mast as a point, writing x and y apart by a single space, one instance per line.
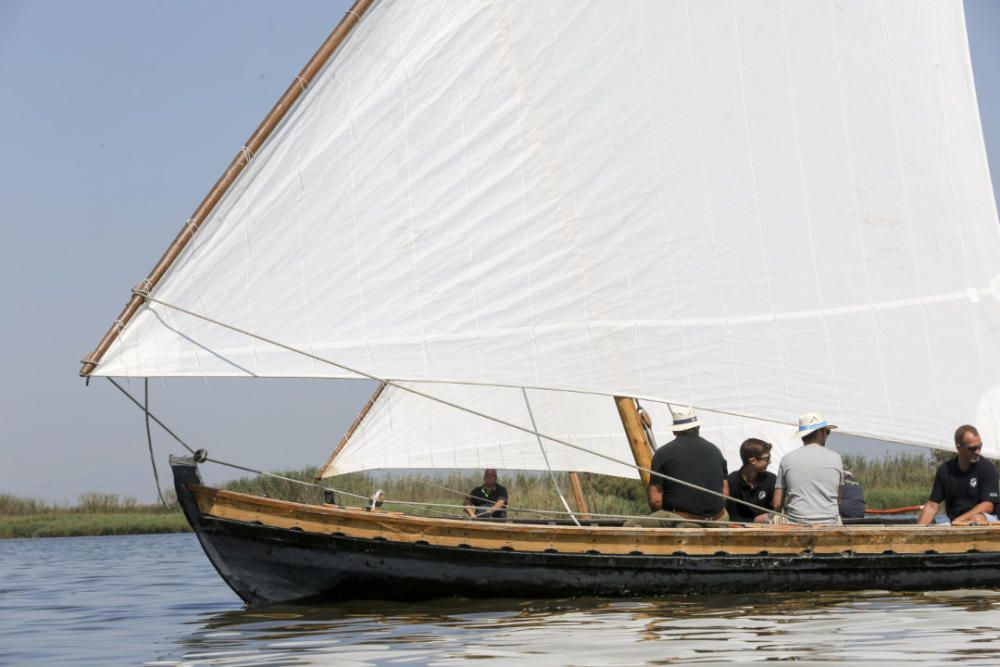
636 436
581 501
235 168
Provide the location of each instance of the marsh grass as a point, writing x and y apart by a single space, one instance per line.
899 481
72 524
444 494
93 514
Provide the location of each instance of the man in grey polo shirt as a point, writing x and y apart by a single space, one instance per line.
809 479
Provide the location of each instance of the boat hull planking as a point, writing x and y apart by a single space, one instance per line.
267 564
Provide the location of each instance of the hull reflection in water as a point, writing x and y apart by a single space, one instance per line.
862 627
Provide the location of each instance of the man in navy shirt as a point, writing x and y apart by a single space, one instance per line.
691 459
488 501
752 484
966 483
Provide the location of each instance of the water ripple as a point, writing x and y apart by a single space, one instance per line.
155 600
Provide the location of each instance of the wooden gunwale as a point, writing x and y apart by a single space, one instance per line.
766 540
235 168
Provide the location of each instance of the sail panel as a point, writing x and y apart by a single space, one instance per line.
405 430
759 209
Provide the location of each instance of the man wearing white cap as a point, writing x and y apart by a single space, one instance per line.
694 460
809 478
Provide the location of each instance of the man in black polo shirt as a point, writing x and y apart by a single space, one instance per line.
690 458
966 483
488 501
752 484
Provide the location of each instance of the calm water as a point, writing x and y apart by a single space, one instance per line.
156 600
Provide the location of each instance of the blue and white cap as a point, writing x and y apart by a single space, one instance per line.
684 417
812 421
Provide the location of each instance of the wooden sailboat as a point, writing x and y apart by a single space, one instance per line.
520 216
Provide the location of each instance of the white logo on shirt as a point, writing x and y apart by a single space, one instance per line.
973 482
762 494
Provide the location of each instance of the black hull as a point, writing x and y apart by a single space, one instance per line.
265 565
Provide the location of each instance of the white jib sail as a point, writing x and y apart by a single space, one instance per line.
403 430
761 208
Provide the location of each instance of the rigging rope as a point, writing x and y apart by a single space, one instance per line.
193 452
437 399
552 476
149 442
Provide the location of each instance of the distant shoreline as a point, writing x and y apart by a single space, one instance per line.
72 524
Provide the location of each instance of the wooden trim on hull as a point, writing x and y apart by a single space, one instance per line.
768 540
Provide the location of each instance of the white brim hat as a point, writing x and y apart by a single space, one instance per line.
684 418
811 422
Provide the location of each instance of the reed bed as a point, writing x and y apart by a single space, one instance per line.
74 524
93 514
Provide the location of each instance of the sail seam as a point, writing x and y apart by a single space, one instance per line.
806 202
710 214
857 215
908 212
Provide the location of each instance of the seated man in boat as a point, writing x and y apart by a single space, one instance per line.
692 459
808 486
752 484
488 501
852 498
967 483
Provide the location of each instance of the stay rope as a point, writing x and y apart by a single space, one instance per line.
545 456
442 401
151 417
149 443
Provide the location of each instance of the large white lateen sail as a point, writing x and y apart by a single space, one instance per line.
759 208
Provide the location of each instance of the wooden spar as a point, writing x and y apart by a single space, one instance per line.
347 435
253 144
581 502
636 438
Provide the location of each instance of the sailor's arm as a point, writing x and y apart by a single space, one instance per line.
654 496
971 517
928 513
930 509
779 497
498 505
469 509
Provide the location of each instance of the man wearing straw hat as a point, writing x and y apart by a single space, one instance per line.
692 459
809 478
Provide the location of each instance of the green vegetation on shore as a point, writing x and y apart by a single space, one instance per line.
892 482
94 514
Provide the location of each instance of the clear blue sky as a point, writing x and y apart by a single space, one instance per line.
115 119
